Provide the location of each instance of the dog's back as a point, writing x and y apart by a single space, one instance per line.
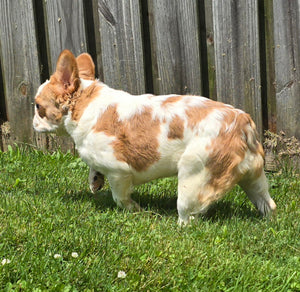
133 139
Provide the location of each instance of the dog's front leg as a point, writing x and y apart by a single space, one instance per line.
121 187
96 180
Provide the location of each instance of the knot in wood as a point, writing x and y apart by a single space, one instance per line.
23 88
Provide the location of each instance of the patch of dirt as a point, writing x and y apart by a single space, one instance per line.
5 129
281 150
5 136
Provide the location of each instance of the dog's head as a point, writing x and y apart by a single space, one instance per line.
54 97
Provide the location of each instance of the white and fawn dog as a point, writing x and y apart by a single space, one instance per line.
132 139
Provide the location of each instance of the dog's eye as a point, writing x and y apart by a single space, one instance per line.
41 110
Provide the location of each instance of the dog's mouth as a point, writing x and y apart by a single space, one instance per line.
41 125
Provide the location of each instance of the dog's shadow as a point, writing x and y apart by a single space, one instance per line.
166 206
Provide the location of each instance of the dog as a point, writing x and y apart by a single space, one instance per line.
133 139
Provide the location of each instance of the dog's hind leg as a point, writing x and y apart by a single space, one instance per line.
194 192
195 196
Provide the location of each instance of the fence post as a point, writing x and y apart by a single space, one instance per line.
287 65
20 62
211 66
175 45
237 57
121 44
65 25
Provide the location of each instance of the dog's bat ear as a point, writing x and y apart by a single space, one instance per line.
86 67
67 72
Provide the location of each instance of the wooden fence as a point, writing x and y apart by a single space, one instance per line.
242 52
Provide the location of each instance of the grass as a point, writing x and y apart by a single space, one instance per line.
47 213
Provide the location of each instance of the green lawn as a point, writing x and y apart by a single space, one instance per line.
56 236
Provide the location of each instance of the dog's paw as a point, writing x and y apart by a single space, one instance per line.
183 223
96 181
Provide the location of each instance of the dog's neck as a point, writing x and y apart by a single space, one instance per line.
77 101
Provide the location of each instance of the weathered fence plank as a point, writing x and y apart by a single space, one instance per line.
211 66
287 65
121 42
65 27
2 98
237 57
2 105
175 45
19 59
267 60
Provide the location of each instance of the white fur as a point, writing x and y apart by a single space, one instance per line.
186 157
42 124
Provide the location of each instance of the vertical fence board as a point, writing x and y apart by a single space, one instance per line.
66 28
121 41
175 45
210 49
237 55
2 105
19 58
287 65
3 116
98 58
268 81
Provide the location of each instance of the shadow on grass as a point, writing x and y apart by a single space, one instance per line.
102 200
223 210
166 205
